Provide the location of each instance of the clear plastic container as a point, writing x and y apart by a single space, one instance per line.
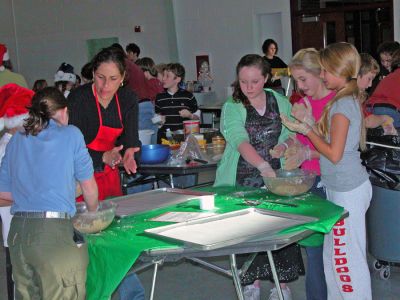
92 222
218 144
290 183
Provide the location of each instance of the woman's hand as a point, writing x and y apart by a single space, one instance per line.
113 157
129 160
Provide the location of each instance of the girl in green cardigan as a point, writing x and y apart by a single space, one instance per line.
252 128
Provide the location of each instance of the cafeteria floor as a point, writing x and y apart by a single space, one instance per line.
182 280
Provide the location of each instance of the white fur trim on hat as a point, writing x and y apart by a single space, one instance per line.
6 56
1 124
15 122
61 76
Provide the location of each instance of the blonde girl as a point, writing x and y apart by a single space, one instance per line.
338 136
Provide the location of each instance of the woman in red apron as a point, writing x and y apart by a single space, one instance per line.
107 115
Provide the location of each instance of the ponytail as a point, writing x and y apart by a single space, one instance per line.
45 103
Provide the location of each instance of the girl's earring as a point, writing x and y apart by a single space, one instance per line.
122 84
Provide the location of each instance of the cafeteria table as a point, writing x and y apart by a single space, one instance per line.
124 244
164 172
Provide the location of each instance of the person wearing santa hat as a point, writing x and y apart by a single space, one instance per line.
7 76
65 79
13 110
48 263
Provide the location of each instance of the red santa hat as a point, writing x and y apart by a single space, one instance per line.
14 103
3 56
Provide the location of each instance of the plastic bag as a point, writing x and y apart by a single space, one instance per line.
189 150
383 165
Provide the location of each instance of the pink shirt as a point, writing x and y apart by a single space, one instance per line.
317 109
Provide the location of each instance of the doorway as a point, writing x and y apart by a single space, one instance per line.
317 23
319 30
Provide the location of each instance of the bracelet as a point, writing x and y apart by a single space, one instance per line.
285 144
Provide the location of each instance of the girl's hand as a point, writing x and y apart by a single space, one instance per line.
266 170
303 112
278 151
388 127
296 126
389 130
296 155
113 157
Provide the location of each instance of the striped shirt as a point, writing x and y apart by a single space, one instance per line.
169 106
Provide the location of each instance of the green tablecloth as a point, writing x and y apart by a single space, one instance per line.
113 252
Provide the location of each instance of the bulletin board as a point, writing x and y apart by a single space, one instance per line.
95 45
199 60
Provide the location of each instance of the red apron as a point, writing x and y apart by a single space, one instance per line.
108 181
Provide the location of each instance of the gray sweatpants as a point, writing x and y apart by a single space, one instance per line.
345 261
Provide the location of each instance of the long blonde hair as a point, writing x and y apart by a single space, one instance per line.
341 60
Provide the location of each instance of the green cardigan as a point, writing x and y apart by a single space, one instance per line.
233 119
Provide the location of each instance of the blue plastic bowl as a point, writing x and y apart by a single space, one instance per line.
154 154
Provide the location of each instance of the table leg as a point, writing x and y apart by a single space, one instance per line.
235 276
153 282
171 179
274 274
123 184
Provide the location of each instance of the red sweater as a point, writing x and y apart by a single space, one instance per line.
387 91
137 81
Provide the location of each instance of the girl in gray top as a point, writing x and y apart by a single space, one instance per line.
337 136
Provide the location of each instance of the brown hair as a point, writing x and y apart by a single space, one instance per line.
147 64
39 84
249 60
368 64
177 69
45 103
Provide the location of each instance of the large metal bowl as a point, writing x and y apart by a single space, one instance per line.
154 154
92 222
290 183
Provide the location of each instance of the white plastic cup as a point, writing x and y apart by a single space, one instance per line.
191 126
207 202
145 136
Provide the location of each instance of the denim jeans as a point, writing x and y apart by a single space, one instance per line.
315 277
390 112
146 112
131 288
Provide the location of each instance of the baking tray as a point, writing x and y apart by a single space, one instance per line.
231 228
145 201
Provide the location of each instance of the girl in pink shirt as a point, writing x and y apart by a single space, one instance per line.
300 152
